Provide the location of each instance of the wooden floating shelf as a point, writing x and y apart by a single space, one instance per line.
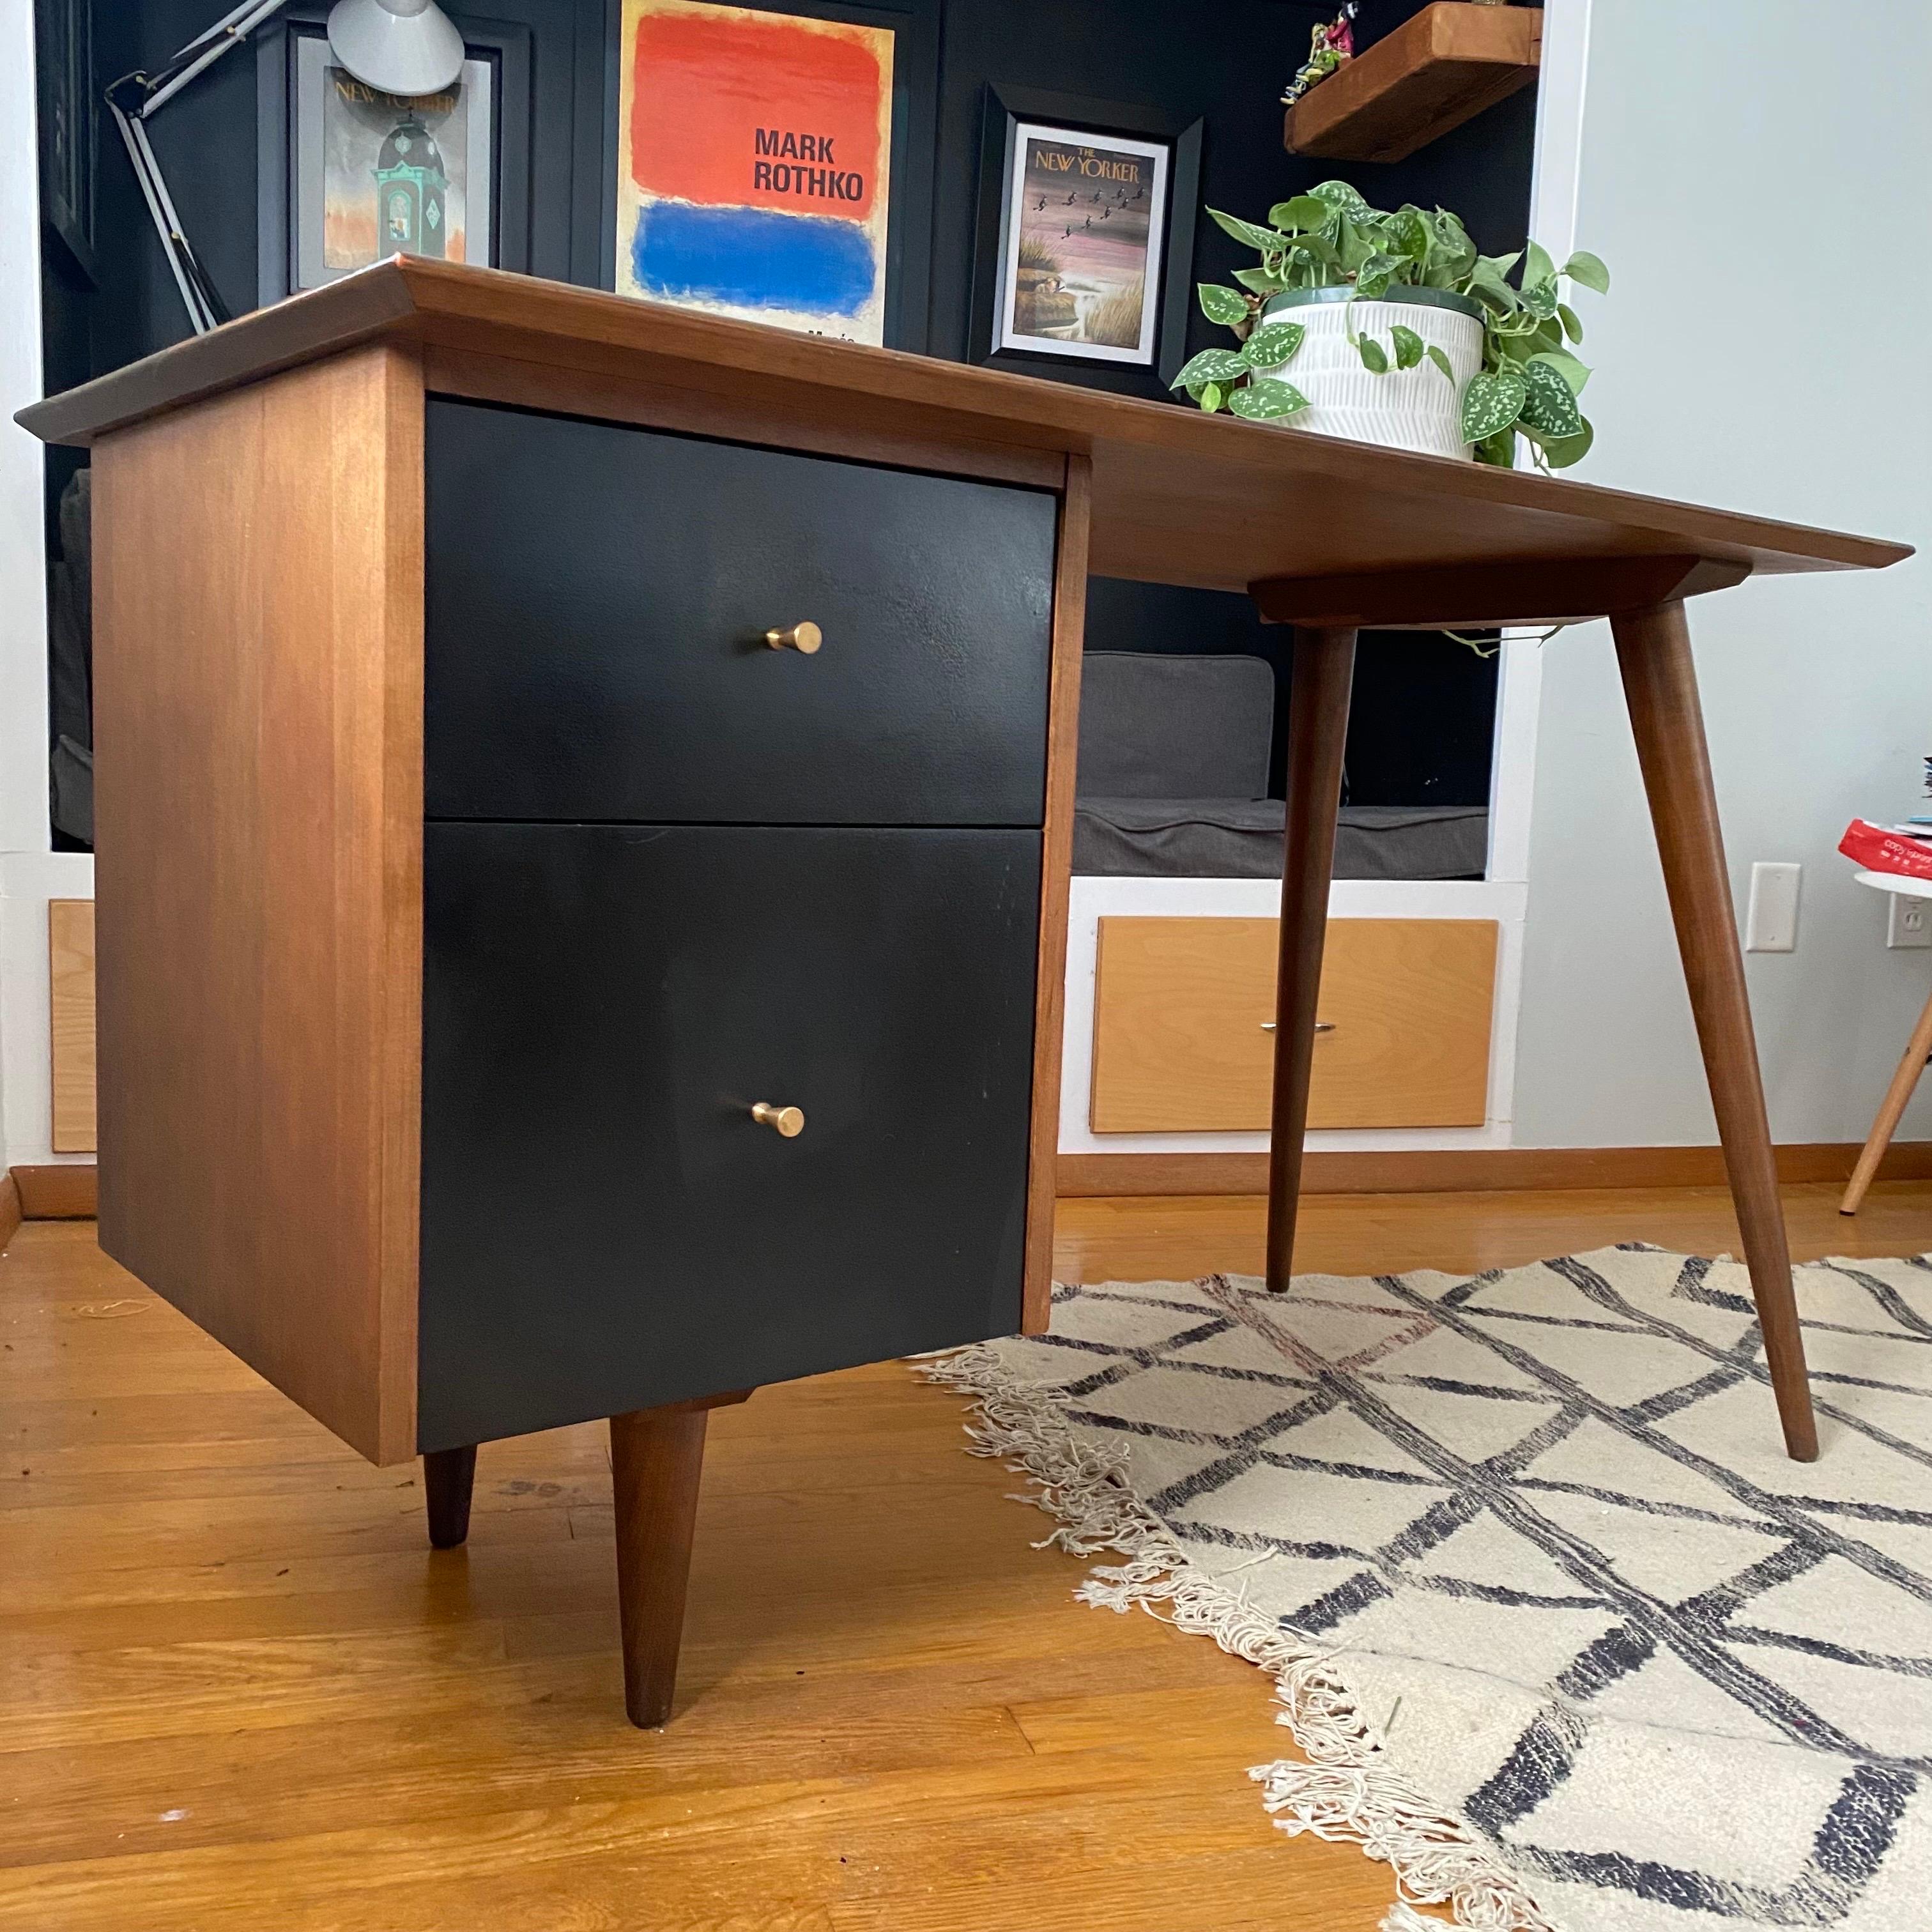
1433 73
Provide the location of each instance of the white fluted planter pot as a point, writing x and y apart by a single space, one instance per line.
1407 409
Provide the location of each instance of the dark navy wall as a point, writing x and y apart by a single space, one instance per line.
1424 707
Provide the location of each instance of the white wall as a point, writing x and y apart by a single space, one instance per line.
30 874
1755 173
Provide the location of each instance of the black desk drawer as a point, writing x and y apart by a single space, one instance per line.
598 598
604 1226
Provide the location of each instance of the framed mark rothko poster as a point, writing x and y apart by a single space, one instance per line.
754 162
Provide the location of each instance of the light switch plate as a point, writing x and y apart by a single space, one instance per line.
1771 922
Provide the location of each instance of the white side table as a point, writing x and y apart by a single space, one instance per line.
1918 1050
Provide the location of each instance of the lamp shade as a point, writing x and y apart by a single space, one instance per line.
403 46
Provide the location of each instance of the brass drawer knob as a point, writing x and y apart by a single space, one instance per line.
790 1121
805 637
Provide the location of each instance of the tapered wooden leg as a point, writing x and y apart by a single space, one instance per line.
1917 1050
1661 685
657 1460
448 1475
1317 729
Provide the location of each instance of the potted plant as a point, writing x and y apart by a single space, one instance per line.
1400 332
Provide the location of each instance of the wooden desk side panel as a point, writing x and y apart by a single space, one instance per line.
258 696
1063 746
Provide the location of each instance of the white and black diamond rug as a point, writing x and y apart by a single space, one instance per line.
1565 1636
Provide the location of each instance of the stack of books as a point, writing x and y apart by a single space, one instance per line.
1905 849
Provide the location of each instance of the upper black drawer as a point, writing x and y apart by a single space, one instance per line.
597 602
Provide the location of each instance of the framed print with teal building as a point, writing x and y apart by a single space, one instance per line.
374 175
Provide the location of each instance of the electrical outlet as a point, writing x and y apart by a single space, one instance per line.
1909 922
1771 919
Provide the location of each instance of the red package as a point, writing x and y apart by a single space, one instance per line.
1879 850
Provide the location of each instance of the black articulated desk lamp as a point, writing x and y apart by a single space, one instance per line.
403 46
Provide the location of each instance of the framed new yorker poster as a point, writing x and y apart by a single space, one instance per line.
755 162
1084 219
1086 237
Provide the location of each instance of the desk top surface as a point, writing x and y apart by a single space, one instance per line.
1178 496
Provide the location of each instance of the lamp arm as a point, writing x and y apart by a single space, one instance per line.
132 99
157 90
205 308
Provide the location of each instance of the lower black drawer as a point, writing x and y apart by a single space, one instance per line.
604 1224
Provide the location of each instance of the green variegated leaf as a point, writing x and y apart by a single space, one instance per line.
1547 403
1266 239
1442 362
1498 298
1537 265
1572 327
1586 268
1540 299
1209 397
1265 400
1452 241
1260 281
1356 246
1226 306
1499 449
1273 343
1408 346
1338 194
1410 232
1375 275
1560 452
1305 211
1491 403
1211 365
1566 365
1317 248
1374 357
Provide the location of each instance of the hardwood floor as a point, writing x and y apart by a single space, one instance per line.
1141 1239
237 1689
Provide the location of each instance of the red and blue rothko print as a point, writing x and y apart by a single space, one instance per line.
754 152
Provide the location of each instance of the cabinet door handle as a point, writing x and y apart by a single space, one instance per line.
790 1121
1321 1026
805 638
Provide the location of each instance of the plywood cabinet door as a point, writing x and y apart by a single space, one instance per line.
70 1013
1184 1013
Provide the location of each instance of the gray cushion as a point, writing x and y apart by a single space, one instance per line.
1169 727
1241 838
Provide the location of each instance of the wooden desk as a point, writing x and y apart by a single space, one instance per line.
482 877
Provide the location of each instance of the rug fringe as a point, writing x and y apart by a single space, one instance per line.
1346 1792
1403 1917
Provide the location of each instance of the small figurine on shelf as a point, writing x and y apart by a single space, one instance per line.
1328 47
